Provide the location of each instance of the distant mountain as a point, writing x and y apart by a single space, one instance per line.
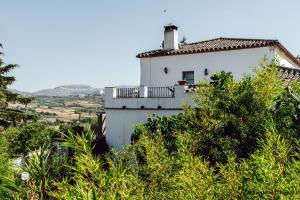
65 90
21 92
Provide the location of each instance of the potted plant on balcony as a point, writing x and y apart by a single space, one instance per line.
182 82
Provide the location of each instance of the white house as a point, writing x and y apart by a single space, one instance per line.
161 70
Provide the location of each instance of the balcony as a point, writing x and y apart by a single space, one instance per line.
144 97
146 92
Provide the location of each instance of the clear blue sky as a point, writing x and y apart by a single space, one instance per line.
95 42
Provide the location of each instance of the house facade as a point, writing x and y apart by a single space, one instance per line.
163 69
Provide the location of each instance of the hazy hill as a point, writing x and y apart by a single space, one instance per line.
64 90
21 92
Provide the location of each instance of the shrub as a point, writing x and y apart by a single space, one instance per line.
27 138
8 186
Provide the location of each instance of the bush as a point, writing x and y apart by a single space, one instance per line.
8 186
26 138
271 172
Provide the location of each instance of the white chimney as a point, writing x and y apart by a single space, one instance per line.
170 37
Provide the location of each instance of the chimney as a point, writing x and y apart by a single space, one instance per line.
170 37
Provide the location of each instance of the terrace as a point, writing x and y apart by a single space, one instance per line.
144 97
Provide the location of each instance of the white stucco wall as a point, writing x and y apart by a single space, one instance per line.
120 121
238 62
120 124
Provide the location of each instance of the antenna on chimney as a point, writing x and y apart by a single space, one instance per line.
162 44
183 40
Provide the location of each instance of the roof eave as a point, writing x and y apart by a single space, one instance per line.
288 54
164 53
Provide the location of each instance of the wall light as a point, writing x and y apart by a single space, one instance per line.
205 71
166 70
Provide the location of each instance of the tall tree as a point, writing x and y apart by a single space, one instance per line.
10 116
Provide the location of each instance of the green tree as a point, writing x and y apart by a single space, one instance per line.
9 116
28 137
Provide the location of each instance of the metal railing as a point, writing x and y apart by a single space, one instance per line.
146 92
161 92
128 92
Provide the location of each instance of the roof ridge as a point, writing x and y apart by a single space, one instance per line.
247 39
203 41
230 38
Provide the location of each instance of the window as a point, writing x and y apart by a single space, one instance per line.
188 76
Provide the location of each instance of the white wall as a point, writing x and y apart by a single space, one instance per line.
120 124
236 61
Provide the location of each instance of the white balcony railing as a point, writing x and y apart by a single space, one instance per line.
144 97
133 92
145 92
161 92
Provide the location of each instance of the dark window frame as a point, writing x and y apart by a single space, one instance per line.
184 74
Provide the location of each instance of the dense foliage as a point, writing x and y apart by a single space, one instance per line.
8 187
28 137
271 172
240 140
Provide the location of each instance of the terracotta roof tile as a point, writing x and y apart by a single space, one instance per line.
218 44
289 74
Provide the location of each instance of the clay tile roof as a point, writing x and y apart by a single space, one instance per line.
289 74
218 44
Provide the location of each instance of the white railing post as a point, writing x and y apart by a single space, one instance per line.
114 93
143 91
179 91
108 91
109 96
